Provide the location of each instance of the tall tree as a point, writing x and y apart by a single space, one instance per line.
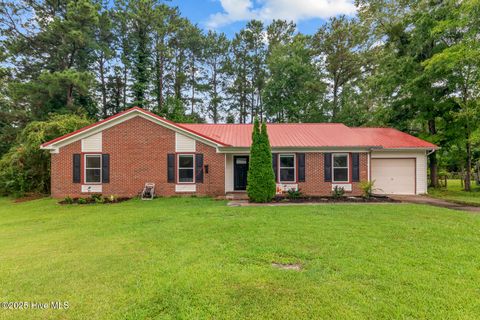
338 43
216 59
142 15
293 90
458 65
52 45
104 39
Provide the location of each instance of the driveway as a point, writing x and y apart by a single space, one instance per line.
436 202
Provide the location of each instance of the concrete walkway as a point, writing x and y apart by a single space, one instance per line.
436 202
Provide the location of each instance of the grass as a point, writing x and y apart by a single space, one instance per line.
455 193
196 258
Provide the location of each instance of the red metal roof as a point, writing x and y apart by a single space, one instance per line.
312 135
94 125
286 134
390 138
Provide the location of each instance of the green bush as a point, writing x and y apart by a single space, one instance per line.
25 167
82 201
293 194
261 178
338 192
367 188
68 200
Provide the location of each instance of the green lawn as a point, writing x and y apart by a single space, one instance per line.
197 258
455 193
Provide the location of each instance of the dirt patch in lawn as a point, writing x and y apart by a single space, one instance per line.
287 266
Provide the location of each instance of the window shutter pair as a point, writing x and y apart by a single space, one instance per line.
77 167
171 168
300 166
327 165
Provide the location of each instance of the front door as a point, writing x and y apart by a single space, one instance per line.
240 171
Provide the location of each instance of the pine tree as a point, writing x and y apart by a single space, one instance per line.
261 178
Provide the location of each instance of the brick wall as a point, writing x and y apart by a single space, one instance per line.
315 185
138 151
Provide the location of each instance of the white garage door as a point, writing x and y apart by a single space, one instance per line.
393 176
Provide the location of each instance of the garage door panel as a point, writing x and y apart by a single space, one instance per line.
393 176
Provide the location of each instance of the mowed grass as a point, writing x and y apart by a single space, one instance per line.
184 258
454 192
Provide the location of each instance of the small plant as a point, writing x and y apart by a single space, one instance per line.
95 197
82 201
338 192
68 200
367 188
294 194
112 198
100 200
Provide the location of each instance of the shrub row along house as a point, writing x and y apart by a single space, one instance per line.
120 154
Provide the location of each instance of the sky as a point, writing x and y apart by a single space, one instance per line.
229 16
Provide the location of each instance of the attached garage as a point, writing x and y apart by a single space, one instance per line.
394 175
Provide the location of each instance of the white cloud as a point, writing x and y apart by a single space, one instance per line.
267 10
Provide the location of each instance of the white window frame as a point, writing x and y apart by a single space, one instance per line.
178 167
294 167
85 168
347 167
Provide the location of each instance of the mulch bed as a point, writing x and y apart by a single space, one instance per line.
373 199
92 201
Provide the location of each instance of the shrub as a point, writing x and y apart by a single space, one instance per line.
112 198
367 188
95 197
68 200
100 200
82 201
293 194
338 192
25 167
261 178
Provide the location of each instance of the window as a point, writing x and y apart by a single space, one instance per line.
185 168
340 167
93 168
287 168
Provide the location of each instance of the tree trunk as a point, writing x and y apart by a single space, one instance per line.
335 101
468 171
215 96
192 79
104 88
70 96
433 157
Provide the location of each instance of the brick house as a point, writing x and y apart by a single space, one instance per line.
118 155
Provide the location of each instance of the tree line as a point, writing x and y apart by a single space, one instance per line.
413 65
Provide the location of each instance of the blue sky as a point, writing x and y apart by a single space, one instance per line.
229 16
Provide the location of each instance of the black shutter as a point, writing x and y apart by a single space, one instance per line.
275 165
199 168
76 168
105 168
171 168
355 167
301 167
327 167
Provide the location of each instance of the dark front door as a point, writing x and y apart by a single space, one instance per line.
240 171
